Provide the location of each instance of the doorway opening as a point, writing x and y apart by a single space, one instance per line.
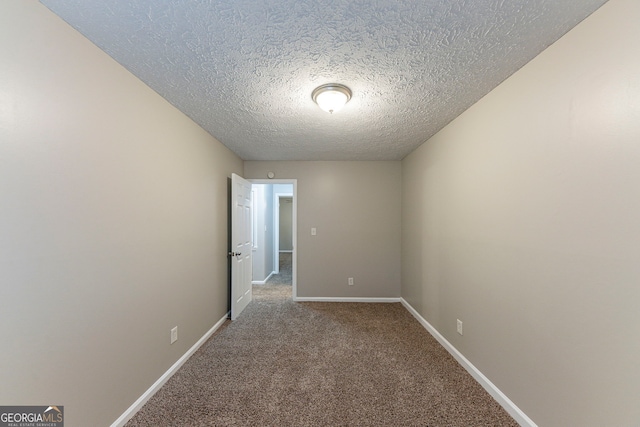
274 226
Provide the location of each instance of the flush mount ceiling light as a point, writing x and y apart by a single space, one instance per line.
331 97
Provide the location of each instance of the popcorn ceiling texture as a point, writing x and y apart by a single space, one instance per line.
245 69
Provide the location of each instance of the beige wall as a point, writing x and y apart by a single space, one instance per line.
355 207
522 219
113 224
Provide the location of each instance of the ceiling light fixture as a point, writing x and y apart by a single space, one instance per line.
331 97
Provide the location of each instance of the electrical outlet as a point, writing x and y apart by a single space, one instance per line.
350 281
314 231
459 326
174 335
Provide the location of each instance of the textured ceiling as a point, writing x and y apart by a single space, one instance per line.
245 69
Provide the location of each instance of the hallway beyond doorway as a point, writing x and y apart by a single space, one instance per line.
279 285
283 277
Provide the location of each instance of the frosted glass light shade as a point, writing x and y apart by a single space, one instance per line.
331 97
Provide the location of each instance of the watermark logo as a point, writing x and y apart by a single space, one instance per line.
32 416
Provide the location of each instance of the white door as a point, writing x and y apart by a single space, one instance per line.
240 245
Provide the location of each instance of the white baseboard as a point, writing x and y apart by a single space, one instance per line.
517 414
344 299
131 411
263 282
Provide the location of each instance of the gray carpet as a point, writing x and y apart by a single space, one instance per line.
321 364
284 274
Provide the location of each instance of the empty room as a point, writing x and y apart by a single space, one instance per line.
461 186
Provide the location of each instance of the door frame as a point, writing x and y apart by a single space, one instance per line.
294 226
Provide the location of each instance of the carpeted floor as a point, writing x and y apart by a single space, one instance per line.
284 272
321 364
